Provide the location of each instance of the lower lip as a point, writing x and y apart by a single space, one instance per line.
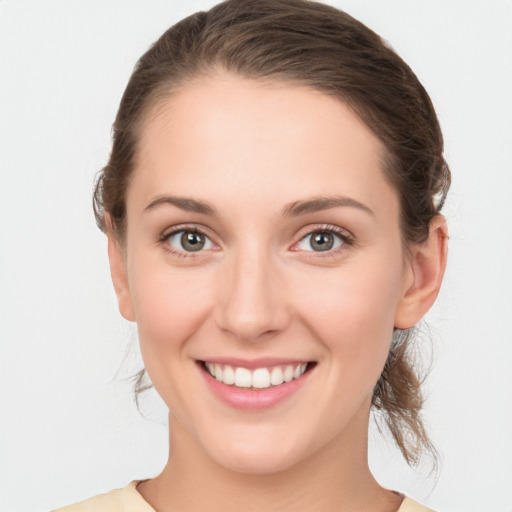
250 398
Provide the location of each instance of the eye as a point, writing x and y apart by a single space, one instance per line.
189 241
322 241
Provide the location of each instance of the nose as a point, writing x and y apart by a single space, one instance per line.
251 303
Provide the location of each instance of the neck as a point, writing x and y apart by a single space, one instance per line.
337 477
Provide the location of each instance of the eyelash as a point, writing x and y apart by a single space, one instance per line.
166 235
346 239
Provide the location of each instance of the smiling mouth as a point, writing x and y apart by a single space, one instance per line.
257 378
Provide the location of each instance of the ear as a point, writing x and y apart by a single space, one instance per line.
120 278
427 263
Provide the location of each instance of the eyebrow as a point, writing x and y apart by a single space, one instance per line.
317 204
184 203
295 209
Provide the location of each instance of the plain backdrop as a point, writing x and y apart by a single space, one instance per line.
68 425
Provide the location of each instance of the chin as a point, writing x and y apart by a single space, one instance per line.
256 463
259 454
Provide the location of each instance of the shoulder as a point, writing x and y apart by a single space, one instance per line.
126 499
409 505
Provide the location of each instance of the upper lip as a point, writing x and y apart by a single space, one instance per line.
261 362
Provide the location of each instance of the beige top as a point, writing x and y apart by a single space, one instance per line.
129 499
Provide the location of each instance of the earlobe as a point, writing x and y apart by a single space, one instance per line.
427 263
120 278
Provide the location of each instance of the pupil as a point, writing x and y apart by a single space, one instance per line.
322 241
192 241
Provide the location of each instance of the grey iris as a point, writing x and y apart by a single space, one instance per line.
192 241
322 241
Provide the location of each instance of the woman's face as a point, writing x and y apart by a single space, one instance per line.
262 245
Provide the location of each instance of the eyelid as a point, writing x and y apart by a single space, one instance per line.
346 237
192 228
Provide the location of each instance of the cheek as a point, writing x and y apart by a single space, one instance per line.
169 308
352 312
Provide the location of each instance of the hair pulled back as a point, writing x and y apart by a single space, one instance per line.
312 44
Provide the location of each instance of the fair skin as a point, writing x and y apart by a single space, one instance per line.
299 260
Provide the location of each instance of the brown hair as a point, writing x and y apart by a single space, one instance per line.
312 44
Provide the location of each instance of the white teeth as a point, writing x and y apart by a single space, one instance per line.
288 374
229 375
243 378
276 377
259 378
299 370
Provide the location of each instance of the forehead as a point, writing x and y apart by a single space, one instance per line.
240 137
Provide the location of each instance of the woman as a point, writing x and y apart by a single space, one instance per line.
272 208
